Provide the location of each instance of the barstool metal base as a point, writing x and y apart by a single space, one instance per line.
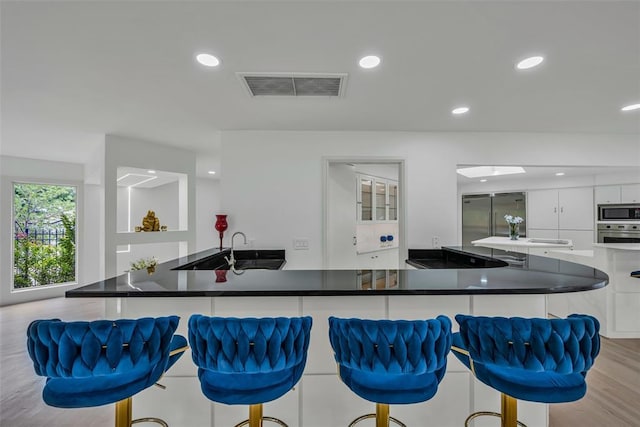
256 418
508 416
382 417
492 414
124 415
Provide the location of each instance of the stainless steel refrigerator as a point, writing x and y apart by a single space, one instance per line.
483 215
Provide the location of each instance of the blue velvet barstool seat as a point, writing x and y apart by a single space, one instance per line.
391 361
102 362
537 360
249 361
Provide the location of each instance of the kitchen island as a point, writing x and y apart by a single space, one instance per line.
511 286
618 305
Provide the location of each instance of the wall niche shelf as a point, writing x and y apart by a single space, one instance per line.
135 238
141 177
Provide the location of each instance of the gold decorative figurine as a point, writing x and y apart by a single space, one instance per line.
150 222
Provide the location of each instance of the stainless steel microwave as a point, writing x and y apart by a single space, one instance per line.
630 212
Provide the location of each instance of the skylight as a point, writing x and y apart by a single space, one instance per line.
480 171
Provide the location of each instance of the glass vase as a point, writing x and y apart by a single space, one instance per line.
514 231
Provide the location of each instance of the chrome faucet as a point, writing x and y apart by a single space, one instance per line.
232 260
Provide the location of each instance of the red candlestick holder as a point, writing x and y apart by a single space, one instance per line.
221 226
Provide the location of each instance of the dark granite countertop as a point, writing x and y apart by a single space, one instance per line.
521 274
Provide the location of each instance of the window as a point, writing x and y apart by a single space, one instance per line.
44 244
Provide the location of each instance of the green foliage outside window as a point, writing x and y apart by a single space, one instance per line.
45 240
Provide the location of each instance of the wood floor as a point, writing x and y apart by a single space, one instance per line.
612 400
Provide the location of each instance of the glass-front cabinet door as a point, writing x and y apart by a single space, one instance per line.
366 199
381 201
377 199
393 201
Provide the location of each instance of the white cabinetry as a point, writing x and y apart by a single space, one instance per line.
630 193
576 208
612 194
567 208
543 209
607 194
379 259
377 199
566 213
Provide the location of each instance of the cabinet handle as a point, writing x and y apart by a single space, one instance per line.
555 210
355 240
562 209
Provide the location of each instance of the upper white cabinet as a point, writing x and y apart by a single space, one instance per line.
543 209
607 194
567 208
576 208
377 199
630 193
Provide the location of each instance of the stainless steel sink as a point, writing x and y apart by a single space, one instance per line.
255 264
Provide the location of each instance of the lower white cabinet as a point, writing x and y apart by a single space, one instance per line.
582 239
321 399
387 259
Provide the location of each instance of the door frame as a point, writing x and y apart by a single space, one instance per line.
402 200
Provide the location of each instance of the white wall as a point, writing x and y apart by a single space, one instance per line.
127 152
272 187
89 219
207 206
160 199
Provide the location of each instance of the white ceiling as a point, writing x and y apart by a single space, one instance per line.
548 173
73 71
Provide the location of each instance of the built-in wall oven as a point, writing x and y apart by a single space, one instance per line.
619 233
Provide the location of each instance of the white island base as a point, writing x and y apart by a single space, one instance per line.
617 306
321 399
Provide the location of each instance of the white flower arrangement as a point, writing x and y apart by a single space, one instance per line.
513 220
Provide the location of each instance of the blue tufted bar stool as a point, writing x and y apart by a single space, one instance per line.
249 361
536 360
102 362
391 361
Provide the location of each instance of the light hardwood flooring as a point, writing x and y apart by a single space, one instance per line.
613 396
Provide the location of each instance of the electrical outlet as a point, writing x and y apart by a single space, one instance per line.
251 243
435 242
301 244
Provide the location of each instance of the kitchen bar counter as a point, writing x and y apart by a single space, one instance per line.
519 275
451 281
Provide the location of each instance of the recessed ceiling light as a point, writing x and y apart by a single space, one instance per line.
483 180
207 60
151 171
460 110
559 173
211 172
370 61
530 62
480 171
631 107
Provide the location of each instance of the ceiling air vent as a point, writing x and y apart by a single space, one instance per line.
293 84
